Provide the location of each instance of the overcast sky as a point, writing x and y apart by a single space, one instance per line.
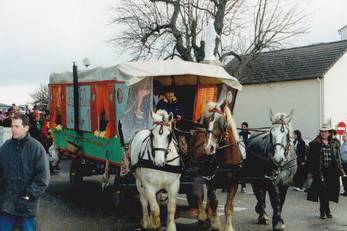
38 37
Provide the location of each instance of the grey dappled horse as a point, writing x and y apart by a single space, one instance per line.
271 155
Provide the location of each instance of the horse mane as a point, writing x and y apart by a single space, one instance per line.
229 118
231 122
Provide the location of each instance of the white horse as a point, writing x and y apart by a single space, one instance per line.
151 151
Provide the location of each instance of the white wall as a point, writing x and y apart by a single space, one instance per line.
343 33
335 92
254 101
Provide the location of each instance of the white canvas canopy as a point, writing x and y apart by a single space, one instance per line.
181 72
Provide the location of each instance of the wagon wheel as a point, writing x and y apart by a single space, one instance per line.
76 176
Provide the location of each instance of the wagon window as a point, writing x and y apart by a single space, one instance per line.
84 108
205 93
57 105
138 108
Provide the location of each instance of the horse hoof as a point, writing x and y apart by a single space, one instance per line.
204 225
263 219
279 227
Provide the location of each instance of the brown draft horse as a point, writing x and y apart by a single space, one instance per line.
216 150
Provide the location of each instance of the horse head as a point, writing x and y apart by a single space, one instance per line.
216 125
161 136
280 135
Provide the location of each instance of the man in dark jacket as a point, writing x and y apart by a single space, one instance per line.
324 166
24 175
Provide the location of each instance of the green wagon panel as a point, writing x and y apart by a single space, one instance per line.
91 146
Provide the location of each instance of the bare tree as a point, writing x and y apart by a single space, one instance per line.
40 96
164 29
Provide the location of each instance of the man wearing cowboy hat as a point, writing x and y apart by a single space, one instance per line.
325 168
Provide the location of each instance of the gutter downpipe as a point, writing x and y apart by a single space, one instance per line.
321 101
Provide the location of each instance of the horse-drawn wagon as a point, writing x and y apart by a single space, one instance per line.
96 113
91 125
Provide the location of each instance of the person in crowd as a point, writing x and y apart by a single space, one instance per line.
325 168
27 110
170 103
45 135
300 149
244 136
344 162
35 126
334 135
24 177
2 117
7 121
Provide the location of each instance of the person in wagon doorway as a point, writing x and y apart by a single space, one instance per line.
170 103
324 166
24 177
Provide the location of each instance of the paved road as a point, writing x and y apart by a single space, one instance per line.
91 209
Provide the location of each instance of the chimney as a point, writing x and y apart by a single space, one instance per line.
343 32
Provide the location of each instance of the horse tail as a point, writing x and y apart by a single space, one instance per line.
231 123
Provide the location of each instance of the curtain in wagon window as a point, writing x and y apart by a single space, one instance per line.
205 93
103 108
56 110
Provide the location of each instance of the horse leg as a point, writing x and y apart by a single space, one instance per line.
203 221
212 206
229 206
260 194
171 205
198 189
277 221
144 203
283 193
150 193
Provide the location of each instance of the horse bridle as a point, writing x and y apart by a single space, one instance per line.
208 131
286 148
161 130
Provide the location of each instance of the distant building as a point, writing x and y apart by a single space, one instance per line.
343 32
311 79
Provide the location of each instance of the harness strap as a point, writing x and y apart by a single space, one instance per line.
149 164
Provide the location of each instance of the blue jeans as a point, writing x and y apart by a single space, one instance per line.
9 222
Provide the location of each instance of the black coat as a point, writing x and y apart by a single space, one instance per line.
24 170
330 181
35 131
300 151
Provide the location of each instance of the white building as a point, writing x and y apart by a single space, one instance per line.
312 80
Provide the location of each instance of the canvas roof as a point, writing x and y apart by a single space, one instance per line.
182 72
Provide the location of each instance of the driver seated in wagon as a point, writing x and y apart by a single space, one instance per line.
170 103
